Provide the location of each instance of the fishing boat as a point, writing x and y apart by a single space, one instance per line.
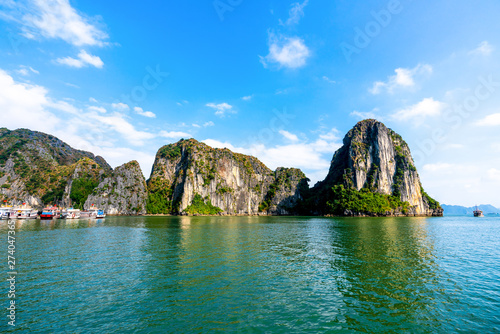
478 213
6 212
52 212
25 212
72 213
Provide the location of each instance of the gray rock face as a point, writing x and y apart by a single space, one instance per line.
122 193
235 183
377 158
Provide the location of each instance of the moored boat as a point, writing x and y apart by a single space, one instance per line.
6 212
72 213
25 212
52 212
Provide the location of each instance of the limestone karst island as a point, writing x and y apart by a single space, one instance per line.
372 174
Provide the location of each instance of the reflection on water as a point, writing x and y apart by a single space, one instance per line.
258 274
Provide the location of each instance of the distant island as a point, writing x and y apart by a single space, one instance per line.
372 174
457 210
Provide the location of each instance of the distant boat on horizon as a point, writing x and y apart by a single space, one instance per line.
478 213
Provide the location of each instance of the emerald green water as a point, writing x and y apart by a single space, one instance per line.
257 275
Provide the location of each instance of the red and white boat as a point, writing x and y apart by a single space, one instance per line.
52 212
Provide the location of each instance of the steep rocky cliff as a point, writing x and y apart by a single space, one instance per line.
39 169
373 161
191 177
122 193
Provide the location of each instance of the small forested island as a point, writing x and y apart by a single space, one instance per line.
372 174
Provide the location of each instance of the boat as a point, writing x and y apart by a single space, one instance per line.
6 212
478 213
25 212
93 212
96 213
52 212
72 213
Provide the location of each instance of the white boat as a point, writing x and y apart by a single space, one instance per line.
72 213
25 212
6 212
96 213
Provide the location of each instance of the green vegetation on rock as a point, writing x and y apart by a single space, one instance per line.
202 206
159 197
364 201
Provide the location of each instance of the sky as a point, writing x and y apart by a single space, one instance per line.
283 81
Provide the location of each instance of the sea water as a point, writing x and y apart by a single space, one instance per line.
256 275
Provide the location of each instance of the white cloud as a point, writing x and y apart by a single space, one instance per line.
247 98
312 157
288 135
327 79
417 112
119 124
26 70
365 115
494 174
404 78
290 52
484 49
296 13
209 123
24 106
196 125
174 134
438 167
84 59
97 109
221 109
120 106
141 112
490 120
56 19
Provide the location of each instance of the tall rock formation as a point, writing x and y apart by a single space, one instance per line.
189 175
122 193
39 169
375 159
36 168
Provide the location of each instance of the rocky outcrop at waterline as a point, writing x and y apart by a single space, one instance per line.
39 169
191 177
373 173
122 193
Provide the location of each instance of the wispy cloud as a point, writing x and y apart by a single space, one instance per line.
174 134
366 114
404 78
120 106
327 79
288 135
209 123
84 59
483 49
140 111
26 70
56 19
289 52
418 112
221 109
296 13
247 98
490 120
101 110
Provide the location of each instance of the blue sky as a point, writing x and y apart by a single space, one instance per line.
283 81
